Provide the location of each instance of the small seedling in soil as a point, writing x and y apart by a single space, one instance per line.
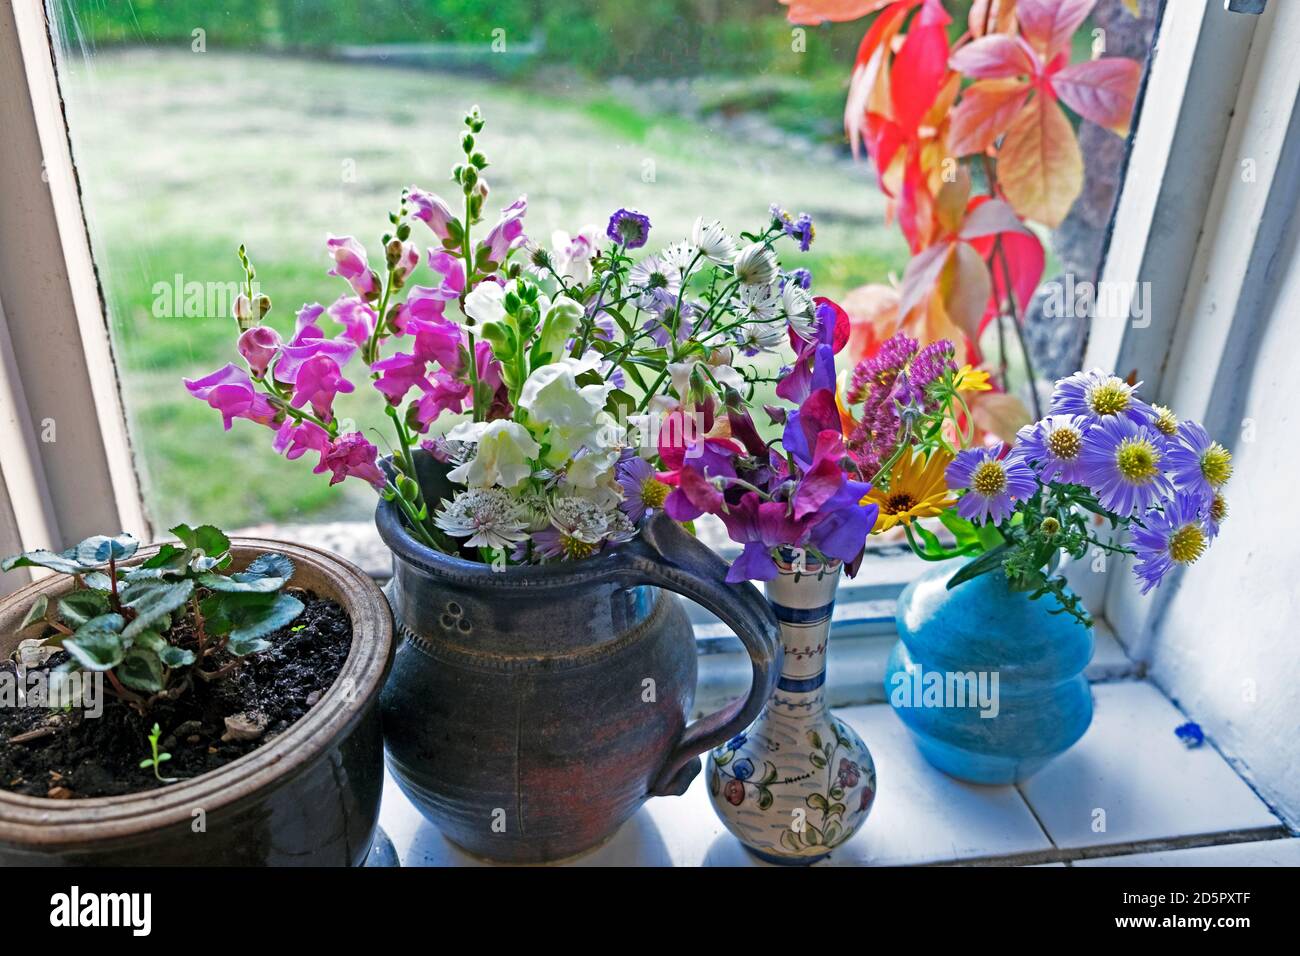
155 627
156 760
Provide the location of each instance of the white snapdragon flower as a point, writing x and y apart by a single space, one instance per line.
572 254
485 303
502 454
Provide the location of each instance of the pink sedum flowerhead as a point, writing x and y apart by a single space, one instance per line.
230 391
351 264
431 210
351 456
318 381
259 346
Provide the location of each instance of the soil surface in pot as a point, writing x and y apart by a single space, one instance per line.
100 757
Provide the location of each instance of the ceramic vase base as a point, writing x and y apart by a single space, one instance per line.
786 860
382 852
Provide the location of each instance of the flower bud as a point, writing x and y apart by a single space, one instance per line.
243 311
262 303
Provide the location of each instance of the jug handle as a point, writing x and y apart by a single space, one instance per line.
666 555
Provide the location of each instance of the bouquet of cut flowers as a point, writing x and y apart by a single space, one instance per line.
1101 459
562 360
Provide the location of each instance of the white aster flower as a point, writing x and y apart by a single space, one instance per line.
487 517
652 274
797 304
756 303
756 265
762 336
712 240
502 454
680 255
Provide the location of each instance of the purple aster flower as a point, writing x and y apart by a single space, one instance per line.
1215 515
629 228
800 228
1175 535
1196 462
1122 463
642 491
1054 446
992 479
802 278
1098 395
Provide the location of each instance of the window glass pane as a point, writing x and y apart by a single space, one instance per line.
199 125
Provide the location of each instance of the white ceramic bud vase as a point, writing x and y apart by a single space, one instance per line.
799 781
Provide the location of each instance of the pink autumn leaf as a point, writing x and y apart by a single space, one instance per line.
921 66
922 272
1049 25
996 56
1101 90
990 218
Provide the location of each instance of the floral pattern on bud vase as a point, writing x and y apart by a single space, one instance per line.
799 781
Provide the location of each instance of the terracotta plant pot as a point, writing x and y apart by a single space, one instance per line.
309 797
533 709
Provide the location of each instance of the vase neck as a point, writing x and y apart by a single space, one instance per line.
802 597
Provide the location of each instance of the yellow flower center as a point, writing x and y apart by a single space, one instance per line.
653 492
1065 443
1166 421
1218 509
899 502
1137 460
1187 544
1109 398
1216 464
989 480
1050 526
576 550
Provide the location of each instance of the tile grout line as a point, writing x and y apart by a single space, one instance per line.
1071 855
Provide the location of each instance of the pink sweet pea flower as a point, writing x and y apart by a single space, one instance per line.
351 456
445 393
399 374
259 345
760 526
318 381
295 439
350 263
431 210
507 232
230 391
357 318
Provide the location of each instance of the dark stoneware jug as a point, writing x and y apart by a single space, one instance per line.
531 710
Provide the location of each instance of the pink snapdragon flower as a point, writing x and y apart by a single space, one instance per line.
318 381
452 271
431 210
230 391
308 342
407 259
350 263
442 393
295 439
357 318
259 346
351 456
507 232
399 374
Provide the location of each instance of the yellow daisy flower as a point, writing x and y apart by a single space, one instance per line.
917 489
970 379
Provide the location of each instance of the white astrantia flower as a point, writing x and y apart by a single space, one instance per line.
579 518
486 303
487 517
757 303
711 239
653 274
756 265
502 454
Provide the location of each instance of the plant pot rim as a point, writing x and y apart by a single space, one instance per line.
560 574
38 821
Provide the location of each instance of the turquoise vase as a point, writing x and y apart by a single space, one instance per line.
989 682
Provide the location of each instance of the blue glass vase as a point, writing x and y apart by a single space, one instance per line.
989 682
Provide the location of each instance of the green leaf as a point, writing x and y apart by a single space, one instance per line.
152 600
80 606
206 538
36 613
141 670
99 549
963 531
246 618
97 581
167 555
41 558
170 655
986 562
96 649
815 739
242 582
765 799
817 760
271 565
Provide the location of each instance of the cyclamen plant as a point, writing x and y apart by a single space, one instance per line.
550 353
1100 457
154 627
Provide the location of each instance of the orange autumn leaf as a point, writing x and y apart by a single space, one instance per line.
1040 168
1049 25
1100 90
999 414
984 113
814 12
991 16
965 287
873 318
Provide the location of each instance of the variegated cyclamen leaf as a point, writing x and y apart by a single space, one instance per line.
271 565
96 649
40 558
169 654
97 581
80 606
241 581
256 622
100 549
141 670
211 540
153 600
37 613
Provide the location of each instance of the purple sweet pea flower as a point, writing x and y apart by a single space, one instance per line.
318 381
689 474
993 481
841 531
351 456
1175 535
259 346
350 263
803 426
1097 396
760 526
431 210
230 391
629 228
1122 463
814 364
